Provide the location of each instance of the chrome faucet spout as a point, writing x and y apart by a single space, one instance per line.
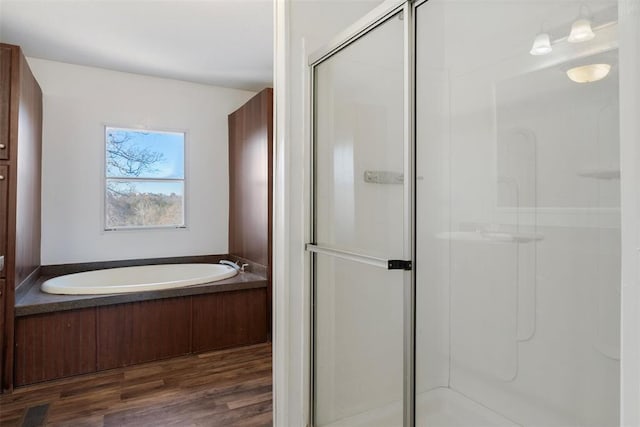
230 264
235 265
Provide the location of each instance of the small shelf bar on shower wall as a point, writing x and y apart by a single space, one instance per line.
383 177
387 264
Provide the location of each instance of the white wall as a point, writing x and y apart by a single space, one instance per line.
629 15
78 102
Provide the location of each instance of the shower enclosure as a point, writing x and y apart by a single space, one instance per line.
466 216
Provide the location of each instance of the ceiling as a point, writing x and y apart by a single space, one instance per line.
217 42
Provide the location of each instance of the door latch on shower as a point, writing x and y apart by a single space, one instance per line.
399 264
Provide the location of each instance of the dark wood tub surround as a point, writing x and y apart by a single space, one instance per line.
66 343
229 319
20 168
251 183
128 334
55 345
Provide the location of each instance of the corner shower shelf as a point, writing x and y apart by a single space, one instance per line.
607 174
491 236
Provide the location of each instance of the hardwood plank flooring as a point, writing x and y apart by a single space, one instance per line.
221 388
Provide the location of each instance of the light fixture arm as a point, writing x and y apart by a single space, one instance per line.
584 12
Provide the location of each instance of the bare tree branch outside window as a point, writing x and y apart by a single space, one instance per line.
127 157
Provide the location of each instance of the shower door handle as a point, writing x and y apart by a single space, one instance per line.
387 264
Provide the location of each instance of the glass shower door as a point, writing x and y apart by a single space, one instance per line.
360 233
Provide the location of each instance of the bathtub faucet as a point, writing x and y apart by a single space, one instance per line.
234 265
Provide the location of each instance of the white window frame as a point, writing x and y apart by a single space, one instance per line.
105 178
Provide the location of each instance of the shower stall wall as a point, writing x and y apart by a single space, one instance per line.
445 144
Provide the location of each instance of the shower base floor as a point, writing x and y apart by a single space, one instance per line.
440 407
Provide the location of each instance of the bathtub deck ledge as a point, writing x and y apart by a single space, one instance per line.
34 301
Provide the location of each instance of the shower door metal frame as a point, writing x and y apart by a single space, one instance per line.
369 22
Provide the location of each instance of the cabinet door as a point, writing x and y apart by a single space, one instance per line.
2 301
5 100
4 181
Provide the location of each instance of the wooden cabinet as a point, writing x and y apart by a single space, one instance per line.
251 183
20 166
250 179
3 285
4 199
6 53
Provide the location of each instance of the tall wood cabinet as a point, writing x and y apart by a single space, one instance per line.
20 180
251 183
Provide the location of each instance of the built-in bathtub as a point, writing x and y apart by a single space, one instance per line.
137 279
59 335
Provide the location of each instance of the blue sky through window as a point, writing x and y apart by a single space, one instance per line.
165 151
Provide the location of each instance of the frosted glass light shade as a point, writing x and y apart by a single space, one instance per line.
589 73
541 45
581 31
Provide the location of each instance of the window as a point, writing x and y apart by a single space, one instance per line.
144 179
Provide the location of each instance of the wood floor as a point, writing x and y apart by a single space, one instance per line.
220 388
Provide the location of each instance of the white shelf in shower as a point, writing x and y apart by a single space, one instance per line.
606 174
491 236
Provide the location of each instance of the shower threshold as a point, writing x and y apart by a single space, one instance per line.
440 407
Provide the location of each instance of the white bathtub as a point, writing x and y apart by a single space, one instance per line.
137 279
